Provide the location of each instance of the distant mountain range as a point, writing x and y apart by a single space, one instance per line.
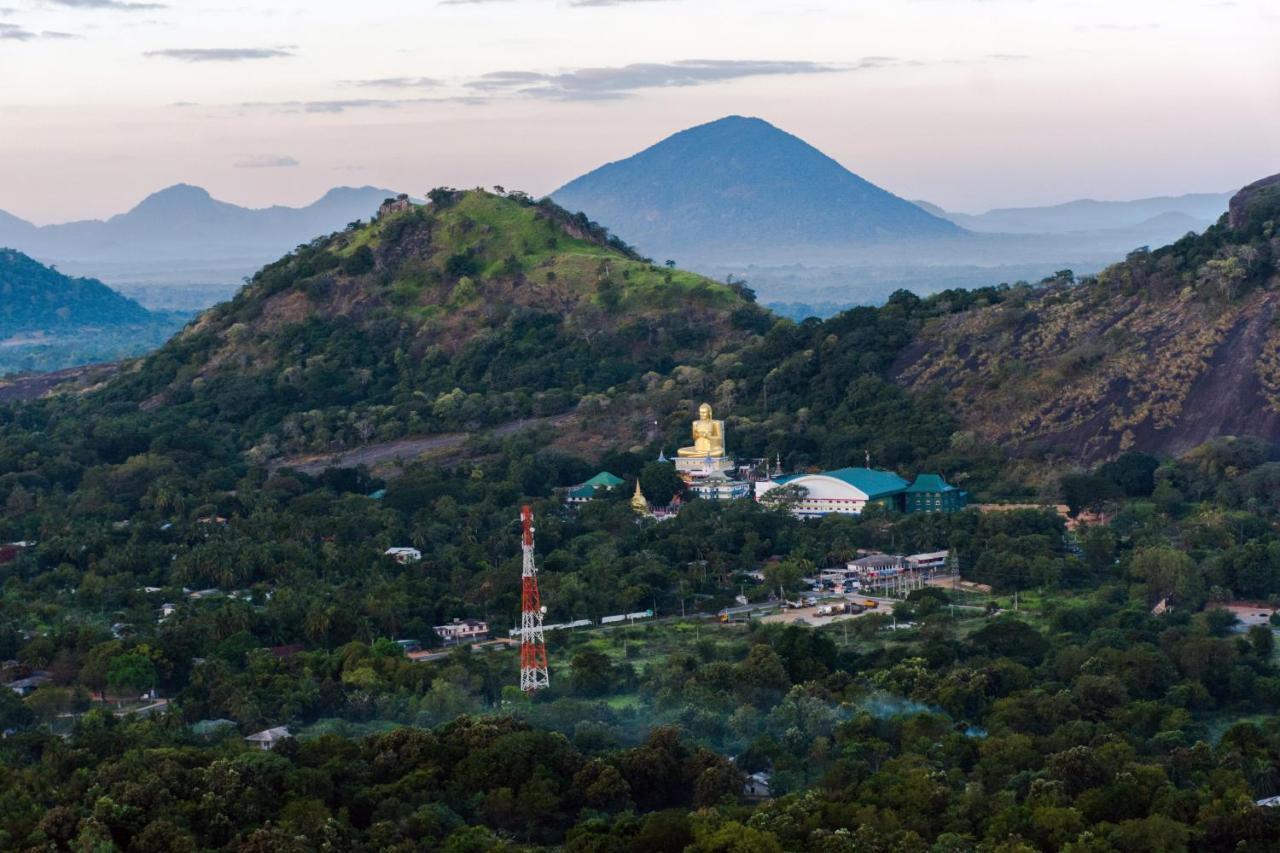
740 196
49 320
736 196
182 235
1173 214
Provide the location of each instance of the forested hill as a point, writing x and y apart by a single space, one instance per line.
37 298
50 321
475 310
1158 353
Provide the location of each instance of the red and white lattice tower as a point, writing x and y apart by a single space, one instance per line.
533 647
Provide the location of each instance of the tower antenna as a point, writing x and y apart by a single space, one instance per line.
534 674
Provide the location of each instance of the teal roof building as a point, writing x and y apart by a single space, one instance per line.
931 493
587 491
850 491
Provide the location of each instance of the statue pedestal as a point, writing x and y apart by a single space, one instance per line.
703 466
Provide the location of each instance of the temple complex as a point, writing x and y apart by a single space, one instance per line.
706 466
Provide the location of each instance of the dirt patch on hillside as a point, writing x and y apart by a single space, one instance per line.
388 457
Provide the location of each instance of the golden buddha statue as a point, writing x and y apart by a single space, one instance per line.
708 436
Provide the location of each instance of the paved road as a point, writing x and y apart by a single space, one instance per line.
809 615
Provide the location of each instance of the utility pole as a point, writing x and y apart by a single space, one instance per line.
534 674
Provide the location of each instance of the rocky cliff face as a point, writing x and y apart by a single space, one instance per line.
1260 196
1159 353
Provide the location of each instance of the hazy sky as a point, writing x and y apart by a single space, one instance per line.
967 103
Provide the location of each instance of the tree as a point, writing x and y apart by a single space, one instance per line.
131 673
1263 640
360 261
660 482
786 574
1167 572
592 673
1086 491
1133 472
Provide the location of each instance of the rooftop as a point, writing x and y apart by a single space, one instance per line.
930 483
873 483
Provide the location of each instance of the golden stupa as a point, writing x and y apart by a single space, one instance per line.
638 501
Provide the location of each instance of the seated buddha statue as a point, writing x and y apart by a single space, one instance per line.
708 436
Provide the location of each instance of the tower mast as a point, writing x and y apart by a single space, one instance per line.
533 647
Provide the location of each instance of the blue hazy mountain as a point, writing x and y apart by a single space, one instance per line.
1175 214
182 249
740 185
185 222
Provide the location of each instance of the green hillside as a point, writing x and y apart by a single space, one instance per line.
474 310
37 298
50 321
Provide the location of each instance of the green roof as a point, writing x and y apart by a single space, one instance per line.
930 483
869 481
209 727
604 479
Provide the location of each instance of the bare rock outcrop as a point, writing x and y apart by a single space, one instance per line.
1242 202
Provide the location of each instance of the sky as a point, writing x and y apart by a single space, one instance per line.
971 104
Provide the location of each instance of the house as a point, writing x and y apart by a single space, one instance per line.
404 556
25 686
269 738
10 552
931 493
934 561
847 491
877 566
586 492
463 631
757 786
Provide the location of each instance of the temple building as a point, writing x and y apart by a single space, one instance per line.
706 466
586 492
931 493
850 491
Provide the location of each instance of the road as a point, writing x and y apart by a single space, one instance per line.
809 615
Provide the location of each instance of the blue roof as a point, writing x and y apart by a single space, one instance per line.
873 483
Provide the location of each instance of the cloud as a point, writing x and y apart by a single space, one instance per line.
14 32
395 83
586 84
218 54
581 3
266 161
113 5
341 105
